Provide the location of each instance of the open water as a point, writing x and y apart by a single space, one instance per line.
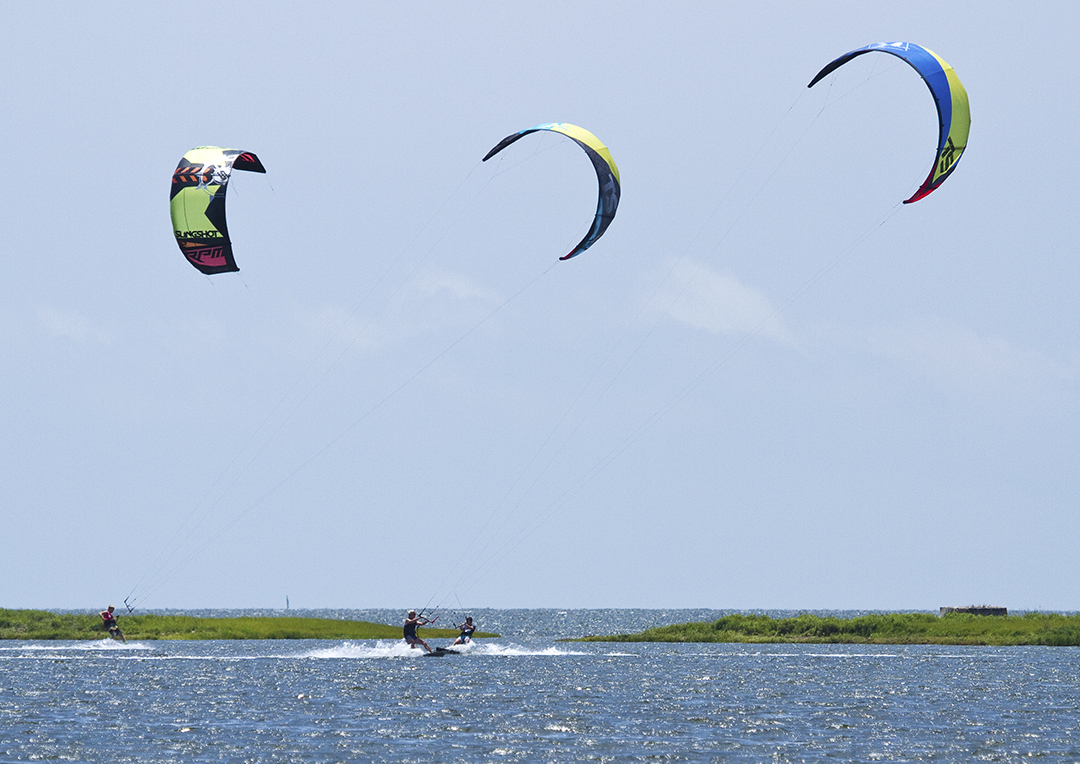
528 697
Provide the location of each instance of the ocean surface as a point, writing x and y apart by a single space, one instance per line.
529 697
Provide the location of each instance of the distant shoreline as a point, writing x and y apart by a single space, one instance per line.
45 625
1050 629
914 628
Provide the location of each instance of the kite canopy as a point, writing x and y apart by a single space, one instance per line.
607 174
197 204
954 115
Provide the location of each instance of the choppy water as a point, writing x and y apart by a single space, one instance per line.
529 698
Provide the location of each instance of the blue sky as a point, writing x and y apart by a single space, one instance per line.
769 385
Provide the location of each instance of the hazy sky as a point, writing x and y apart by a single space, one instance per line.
769 385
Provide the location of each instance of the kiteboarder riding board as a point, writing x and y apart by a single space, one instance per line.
110 624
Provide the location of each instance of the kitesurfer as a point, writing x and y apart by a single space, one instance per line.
411 624
467 630
109 622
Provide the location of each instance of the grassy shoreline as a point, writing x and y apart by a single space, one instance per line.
1051 629
44 625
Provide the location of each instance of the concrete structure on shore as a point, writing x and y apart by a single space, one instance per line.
976 610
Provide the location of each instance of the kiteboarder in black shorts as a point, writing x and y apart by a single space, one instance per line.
411 623
109 621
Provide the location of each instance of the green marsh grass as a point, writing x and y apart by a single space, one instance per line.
43 625
884 629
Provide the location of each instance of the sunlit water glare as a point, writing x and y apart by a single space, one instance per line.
528 698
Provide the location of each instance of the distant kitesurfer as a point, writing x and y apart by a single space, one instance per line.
109 621
411 624
467 630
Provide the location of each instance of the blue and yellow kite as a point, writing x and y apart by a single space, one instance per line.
954 115
607 174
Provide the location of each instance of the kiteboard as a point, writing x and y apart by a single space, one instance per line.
439 652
